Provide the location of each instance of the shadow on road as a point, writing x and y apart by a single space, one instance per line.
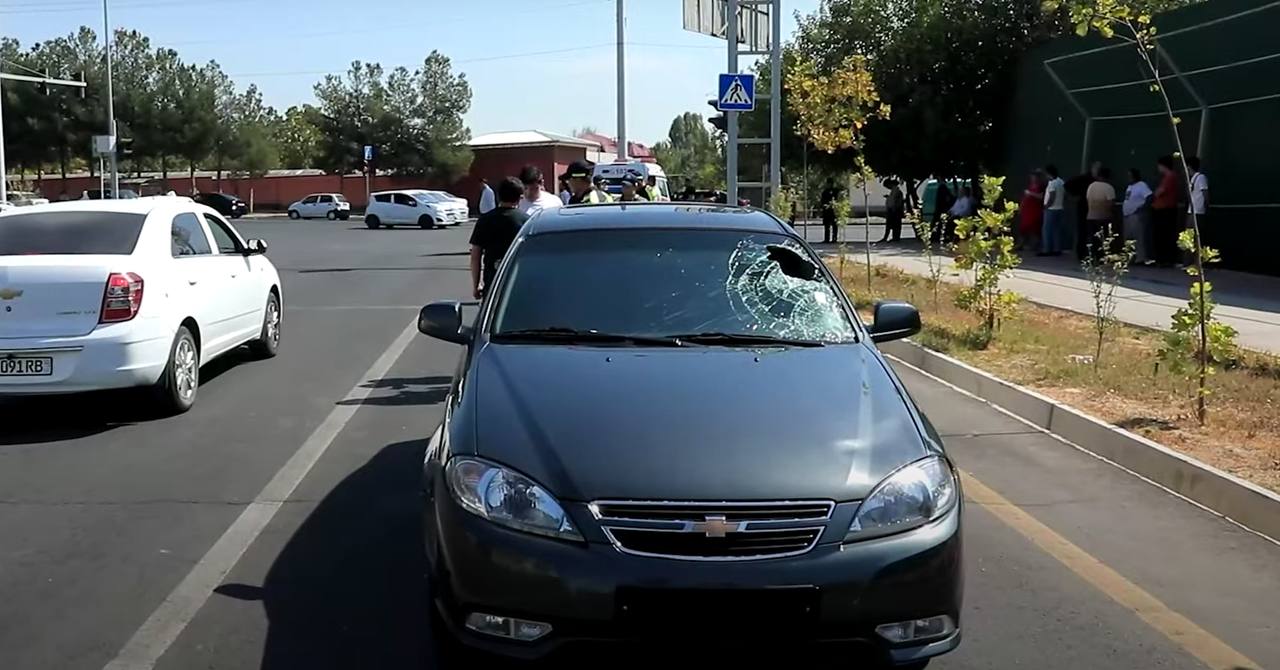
57 418
348 589
405 391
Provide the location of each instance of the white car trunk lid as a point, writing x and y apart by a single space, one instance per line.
52 296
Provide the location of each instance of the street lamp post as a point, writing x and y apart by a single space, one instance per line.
111 108
622 81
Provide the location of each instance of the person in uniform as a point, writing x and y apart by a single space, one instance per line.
651 189
630 188
584 191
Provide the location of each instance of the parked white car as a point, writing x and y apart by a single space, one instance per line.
111 294
26 199
330 206
411 207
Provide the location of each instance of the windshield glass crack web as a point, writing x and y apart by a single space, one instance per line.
782 293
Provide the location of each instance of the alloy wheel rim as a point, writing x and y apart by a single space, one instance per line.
273 322
186 371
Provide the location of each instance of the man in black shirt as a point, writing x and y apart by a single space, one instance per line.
494 233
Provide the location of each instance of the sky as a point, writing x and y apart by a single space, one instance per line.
545 65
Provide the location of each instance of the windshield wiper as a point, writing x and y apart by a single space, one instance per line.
572 335
744 339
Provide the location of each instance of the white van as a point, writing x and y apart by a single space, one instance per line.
612 174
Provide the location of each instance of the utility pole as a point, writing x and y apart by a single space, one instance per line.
775 103
622 81
111 108
731 118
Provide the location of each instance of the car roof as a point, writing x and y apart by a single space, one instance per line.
654 215
142 206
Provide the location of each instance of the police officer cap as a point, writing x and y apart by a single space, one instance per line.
579 170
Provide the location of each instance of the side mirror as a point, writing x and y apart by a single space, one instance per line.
255 246
443 321
894 321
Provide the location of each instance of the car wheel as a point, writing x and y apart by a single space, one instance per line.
344 217
176 390
425 222
371 222
331 215
268 342
293 214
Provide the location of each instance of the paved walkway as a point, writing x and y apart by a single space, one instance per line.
1149 296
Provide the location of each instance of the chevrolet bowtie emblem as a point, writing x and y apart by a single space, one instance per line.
715 526
10 293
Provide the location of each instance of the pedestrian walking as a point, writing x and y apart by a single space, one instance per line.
1100 202
535 197
1031 213
894 212
1137 216
493 234
830 229
1078 189
585 190
487 199
1164 214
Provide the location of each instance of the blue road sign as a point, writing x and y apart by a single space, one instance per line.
737 93
368 152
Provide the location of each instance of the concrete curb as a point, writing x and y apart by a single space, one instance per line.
1243 502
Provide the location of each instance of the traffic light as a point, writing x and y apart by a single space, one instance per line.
719 121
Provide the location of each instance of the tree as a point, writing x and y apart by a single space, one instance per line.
297 137
446 97
1105 265
986 249
690 151
1131 20
833 110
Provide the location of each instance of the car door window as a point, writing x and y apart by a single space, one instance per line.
310 200
383 197
405 200
188 237
223 238
326 199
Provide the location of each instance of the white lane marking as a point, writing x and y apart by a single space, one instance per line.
149 642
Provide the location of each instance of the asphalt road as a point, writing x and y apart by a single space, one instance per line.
113 524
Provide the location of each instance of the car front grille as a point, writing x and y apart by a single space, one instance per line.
702 531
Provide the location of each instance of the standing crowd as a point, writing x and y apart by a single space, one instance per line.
1150 218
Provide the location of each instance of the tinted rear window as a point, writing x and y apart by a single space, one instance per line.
69 233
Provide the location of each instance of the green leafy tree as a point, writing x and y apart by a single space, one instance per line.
932 254
297 137
833 109
1131 20
1105 266
446 97
692 152
783 204
985 248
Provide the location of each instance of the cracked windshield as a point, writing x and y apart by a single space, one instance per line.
862 333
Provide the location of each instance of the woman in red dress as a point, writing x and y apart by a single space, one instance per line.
1032 212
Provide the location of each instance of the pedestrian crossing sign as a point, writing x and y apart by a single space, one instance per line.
737 93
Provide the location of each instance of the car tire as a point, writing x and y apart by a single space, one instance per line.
425 222
331 215
293 214
372 222
344 217
175 391
268 343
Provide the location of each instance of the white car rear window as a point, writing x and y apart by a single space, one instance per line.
46 233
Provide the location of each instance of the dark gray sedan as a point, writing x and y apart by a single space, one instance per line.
669 424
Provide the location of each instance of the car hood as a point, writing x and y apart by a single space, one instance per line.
593 423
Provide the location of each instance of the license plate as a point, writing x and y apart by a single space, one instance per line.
20 366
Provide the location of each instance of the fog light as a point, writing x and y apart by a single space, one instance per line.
507 627
917 629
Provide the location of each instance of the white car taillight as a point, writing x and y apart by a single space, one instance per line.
122 298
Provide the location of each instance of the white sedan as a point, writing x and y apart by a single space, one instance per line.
111 294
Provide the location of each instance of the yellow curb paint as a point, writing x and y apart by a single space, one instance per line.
1180 630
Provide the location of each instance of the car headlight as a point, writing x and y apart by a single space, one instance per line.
508 498
909 498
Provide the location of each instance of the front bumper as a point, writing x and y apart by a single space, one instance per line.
587 591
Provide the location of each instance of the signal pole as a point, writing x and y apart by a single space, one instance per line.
111 107
622 81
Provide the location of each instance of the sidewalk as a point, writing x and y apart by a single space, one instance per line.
1148 297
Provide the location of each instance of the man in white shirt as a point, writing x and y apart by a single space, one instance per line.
487 199
964 206
1137 223
1055 201
1199 188
535 197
